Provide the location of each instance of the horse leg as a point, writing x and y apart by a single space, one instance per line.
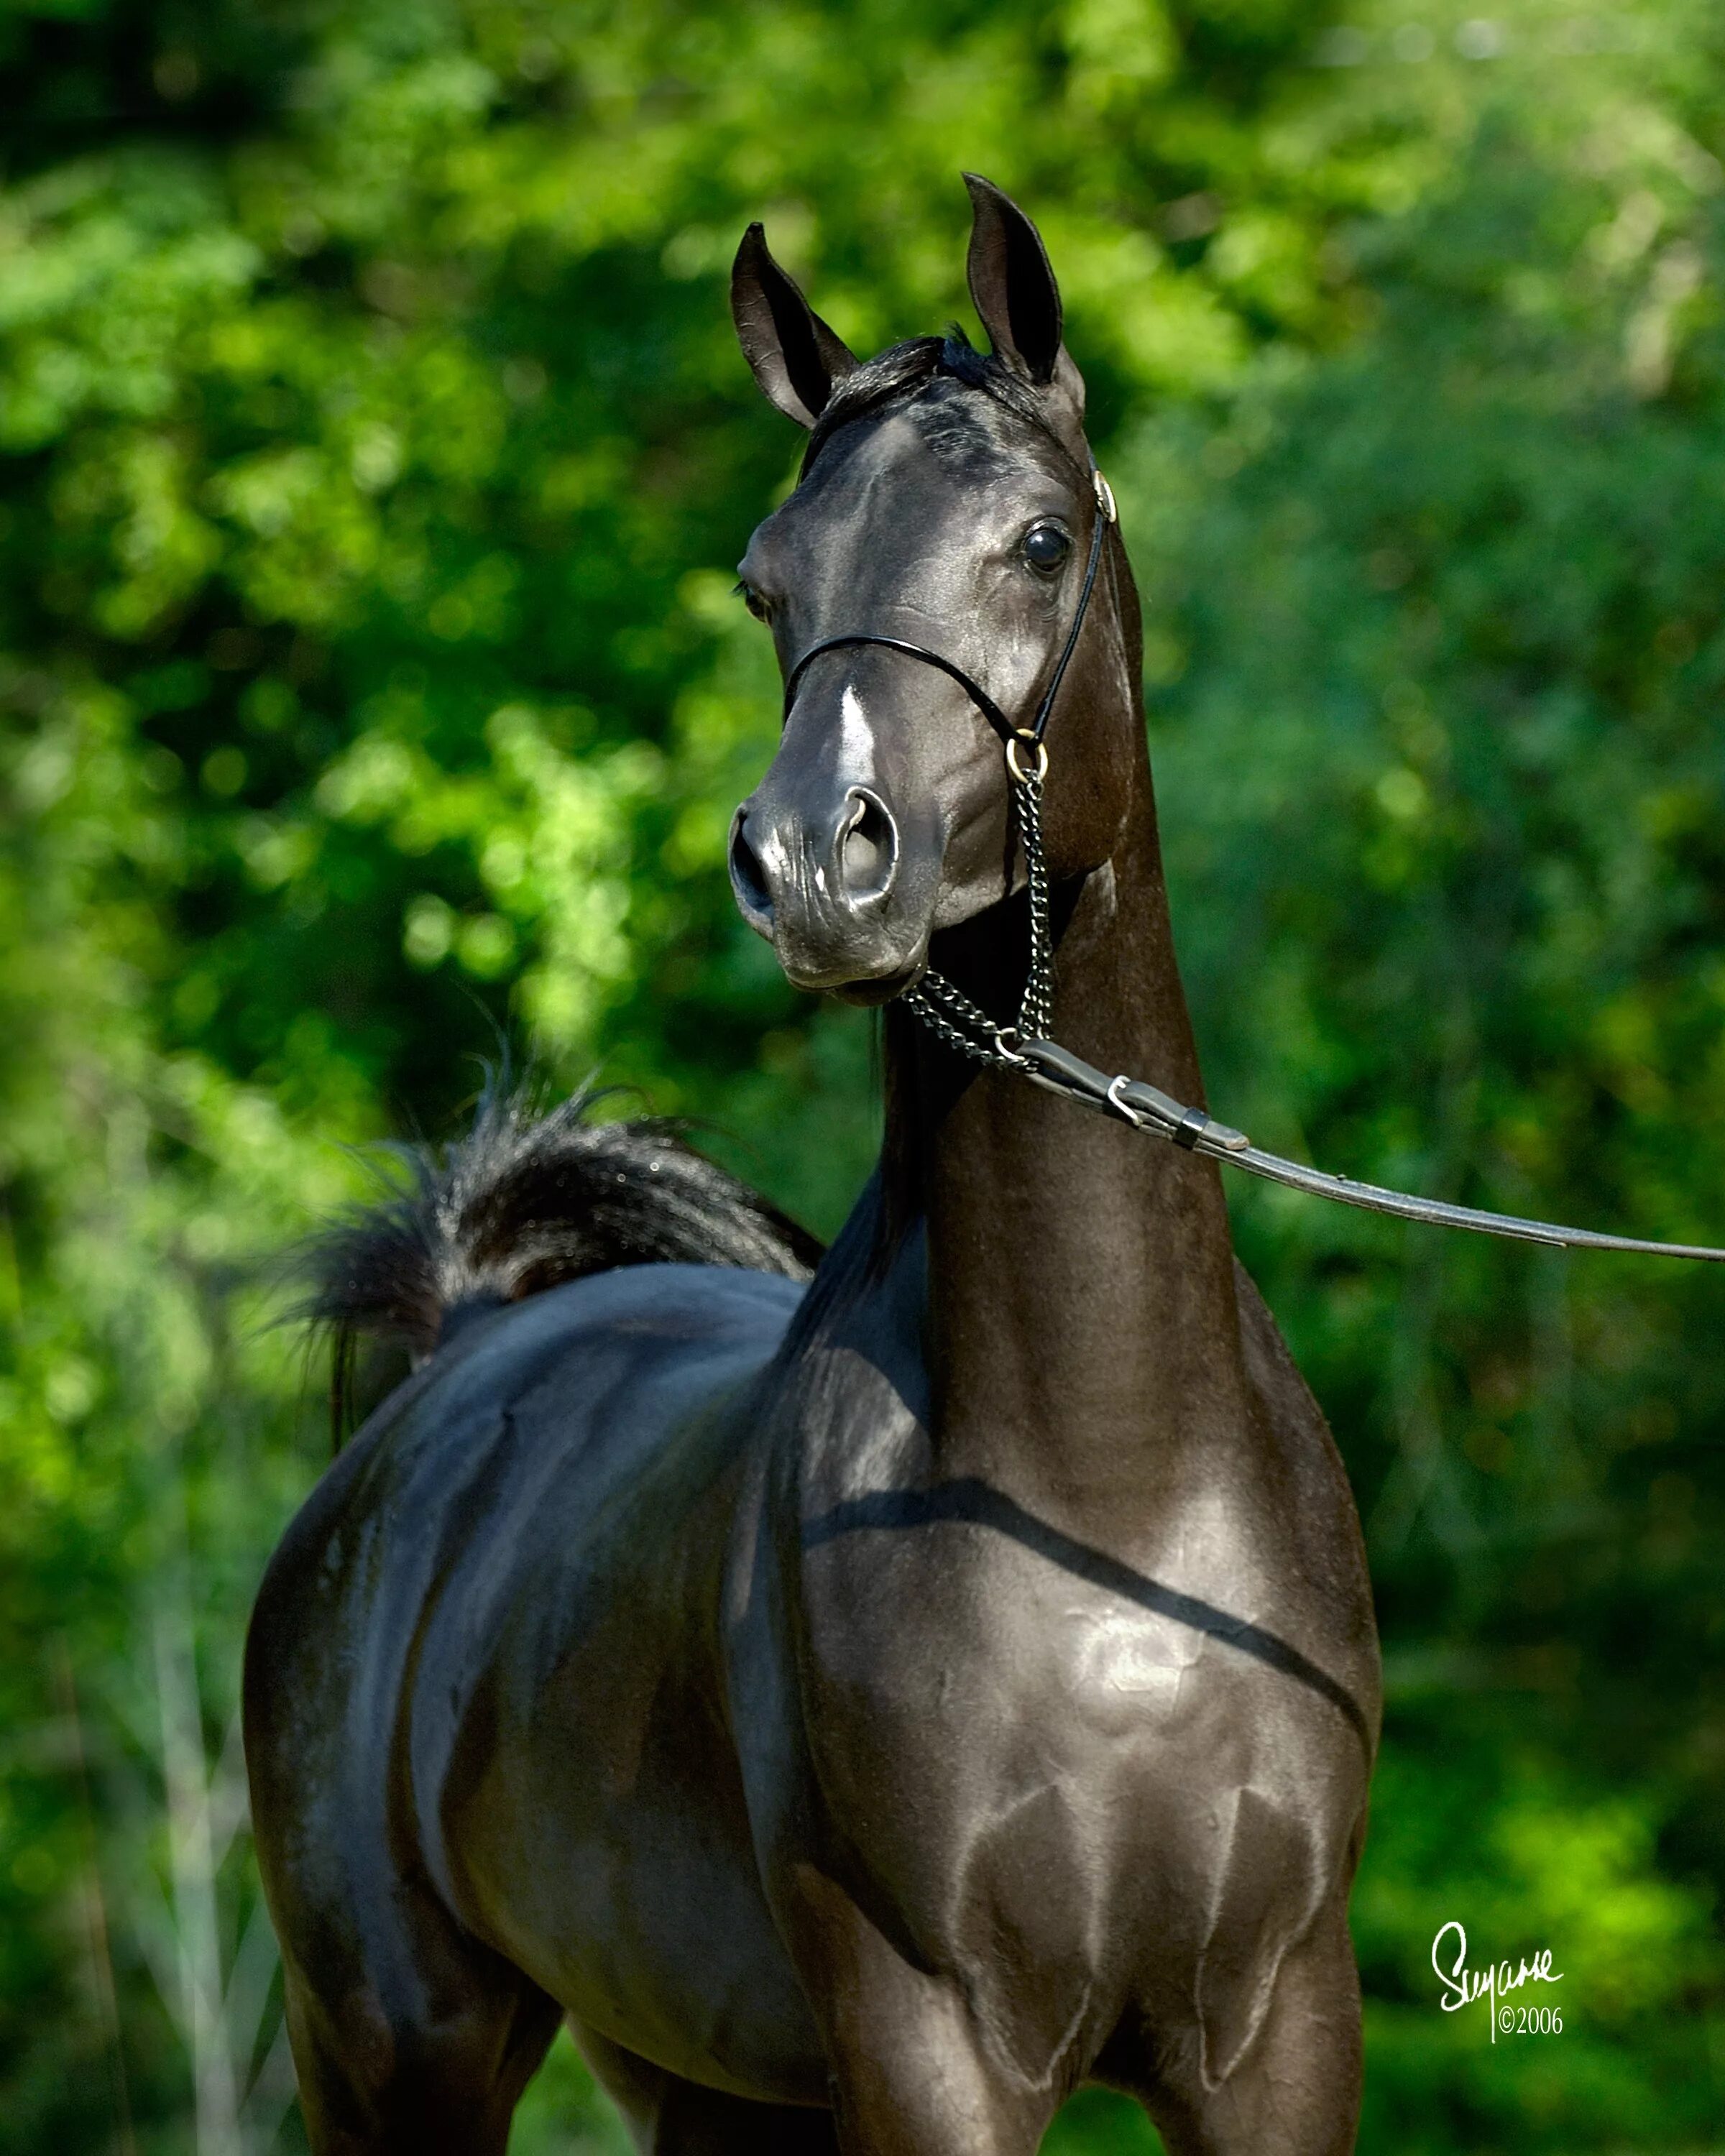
421 2049
1297 2090
916 2070
667 2116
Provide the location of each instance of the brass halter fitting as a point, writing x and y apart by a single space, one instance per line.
1038 769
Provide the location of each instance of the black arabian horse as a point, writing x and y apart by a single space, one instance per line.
865 1709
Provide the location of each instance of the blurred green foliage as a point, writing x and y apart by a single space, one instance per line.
373 452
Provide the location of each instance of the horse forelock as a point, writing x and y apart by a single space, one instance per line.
901 373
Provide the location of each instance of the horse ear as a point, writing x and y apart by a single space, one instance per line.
795 357
1014 289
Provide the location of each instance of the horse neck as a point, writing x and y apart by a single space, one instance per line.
1082 1332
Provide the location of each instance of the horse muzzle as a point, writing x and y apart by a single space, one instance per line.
827 886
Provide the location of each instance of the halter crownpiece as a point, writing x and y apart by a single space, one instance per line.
1025 1047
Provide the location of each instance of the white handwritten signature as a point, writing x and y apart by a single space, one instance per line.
1463 1985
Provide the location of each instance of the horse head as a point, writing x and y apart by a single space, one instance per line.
945 514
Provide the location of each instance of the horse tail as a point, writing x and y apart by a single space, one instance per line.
527 1201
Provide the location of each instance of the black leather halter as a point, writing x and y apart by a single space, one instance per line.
1026 1048
940 1006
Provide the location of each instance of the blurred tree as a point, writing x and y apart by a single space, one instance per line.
1439 642
374 447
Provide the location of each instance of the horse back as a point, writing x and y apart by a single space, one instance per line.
483 1664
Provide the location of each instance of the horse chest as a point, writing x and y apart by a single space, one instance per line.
1005 1743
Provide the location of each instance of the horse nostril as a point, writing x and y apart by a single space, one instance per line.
868 847
749 879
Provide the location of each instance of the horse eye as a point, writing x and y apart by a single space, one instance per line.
1046 547
753 601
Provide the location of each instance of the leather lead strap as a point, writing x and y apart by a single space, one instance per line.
1148 1109
951 1015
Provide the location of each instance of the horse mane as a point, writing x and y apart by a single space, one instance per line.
528 1199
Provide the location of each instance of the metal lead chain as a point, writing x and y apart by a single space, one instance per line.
1036 1011
946 1010
981 1051
949 1013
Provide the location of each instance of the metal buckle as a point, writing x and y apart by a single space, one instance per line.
1105 497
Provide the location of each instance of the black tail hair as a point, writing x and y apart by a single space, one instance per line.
527 1201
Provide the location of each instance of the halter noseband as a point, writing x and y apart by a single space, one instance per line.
978 696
